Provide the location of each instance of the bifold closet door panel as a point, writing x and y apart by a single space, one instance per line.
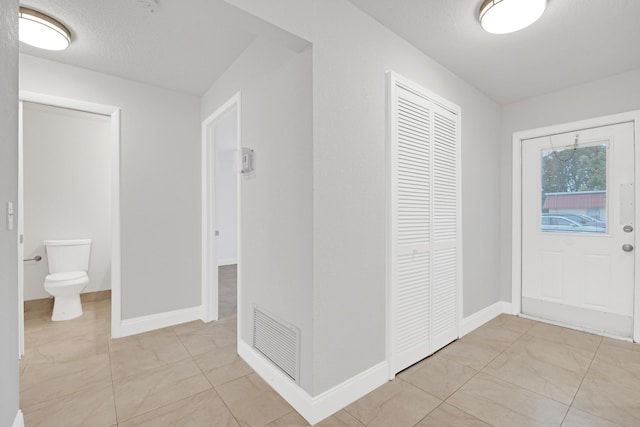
423 225
444 284
412 223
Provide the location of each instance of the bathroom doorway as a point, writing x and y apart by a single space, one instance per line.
221 212
68 189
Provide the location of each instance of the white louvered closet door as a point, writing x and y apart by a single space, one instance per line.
411 228
445 214
423 230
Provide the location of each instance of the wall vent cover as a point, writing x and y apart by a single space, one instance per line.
278 341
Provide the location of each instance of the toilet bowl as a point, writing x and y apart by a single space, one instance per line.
68 262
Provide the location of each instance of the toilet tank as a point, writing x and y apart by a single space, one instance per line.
68 255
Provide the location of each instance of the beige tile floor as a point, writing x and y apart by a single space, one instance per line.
227 291
509 372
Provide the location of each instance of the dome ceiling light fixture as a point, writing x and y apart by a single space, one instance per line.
508 16
40 30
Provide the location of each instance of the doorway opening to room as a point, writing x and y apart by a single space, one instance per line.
574 211
221 190
68 224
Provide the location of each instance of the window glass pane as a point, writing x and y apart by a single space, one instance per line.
574 189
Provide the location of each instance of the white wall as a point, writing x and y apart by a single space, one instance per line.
351 54
295 20
9 368
614 94
67 190
225 135
260 58
276 259
159 179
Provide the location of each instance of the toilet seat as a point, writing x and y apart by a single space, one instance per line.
66 279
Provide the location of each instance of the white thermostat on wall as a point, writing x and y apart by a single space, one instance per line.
247 160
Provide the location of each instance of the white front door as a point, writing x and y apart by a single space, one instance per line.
578 231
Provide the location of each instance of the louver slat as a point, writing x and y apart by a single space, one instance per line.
445 182
413 182
444 304
444 291
413 222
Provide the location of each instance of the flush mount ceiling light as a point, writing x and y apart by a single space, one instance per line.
507 16
40 30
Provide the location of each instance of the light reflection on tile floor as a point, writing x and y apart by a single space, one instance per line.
509 372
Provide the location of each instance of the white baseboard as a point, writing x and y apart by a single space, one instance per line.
138 325
481 317
227 261
315 409
336 398
507 308
19 420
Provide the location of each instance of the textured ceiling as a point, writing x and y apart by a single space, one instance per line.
185 45
575 41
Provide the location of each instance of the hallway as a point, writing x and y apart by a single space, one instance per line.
511 371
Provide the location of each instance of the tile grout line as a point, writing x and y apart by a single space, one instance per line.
474 375
519 386
113 386
160 407
507 348
430 412
495 357
547 397
166 404
53 363
482 369
462 385
444 402
105 337
582 381
192 358
162 366
209 381
554 343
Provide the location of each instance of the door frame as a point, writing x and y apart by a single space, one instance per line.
114 140
516 208
20 231
209 269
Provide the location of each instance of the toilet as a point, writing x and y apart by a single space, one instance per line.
68 265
